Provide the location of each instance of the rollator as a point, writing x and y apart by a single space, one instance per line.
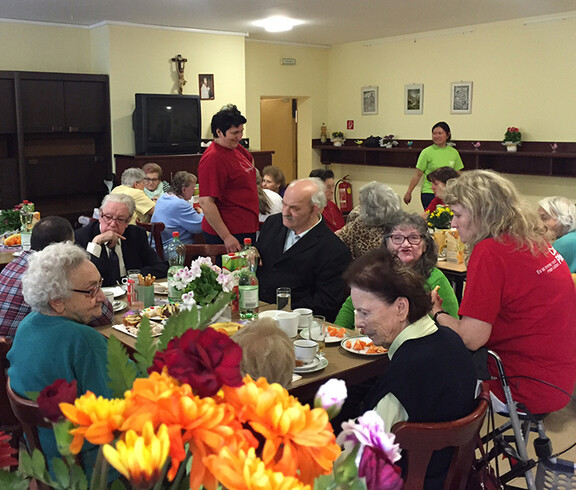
551 471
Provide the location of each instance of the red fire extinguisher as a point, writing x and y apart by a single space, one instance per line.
344 194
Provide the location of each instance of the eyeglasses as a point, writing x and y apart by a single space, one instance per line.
91 292
147 179
108 219
400 239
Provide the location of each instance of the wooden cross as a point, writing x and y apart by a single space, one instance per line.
180 63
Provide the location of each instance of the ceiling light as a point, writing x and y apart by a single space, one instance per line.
278 23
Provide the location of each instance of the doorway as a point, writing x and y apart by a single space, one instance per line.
278 130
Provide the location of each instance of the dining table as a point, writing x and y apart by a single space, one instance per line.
351 367
456 274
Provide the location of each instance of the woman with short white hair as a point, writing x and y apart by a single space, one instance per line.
559 217
53 342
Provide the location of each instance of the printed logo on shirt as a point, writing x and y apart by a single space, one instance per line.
553 264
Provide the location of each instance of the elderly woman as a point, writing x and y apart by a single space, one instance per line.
267 352
406 237
154 186
431 376
269 202
378 203
273 179
175 211
53 342
559 217
519 299
133 186
331 213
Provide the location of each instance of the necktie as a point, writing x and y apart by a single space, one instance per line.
114 264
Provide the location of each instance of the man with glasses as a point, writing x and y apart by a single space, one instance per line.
133 181
115 246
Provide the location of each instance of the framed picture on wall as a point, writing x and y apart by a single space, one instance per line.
413 98
206 87
461 100
369 100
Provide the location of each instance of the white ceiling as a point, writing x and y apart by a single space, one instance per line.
326 22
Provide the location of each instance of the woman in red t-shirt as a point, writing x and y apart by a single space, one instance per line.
519 299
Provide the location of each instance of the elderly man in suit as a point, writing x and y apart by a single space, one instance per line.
299 251
115 246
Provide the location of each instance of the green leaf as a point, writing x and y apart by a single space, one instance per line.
145 347
121 371
25 463
208 312
177 325
117 485
13 480
38 462
78 478
61 472
32 395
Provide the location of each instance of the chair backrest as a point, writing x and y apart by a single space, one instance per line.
419 440
203 250
8 421
155 229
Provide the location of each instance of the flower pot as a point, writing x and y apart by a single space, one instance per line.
510 146
337 143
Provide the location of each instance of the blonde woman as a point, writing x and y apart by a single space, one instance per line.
519 299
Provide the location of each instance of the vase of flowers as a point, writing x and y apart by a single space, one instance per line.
440 218
388 142
337 138
512 138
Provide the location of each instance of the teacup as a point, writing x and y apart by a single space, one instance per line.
305 350
305 317
288 322
109 296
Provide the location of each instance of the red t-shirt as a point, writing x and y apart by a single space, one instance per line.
230 178
530 301
435 202
333 216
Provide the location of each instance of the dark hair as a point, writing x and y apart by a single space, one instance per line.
445 127
276 174
264 204
443 174
429 257
226 118
51 229
322 174
182 179
378 273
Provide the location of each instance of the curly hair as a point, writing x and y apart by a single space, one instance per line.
378 273
429 257
182 179
48 275
377 202
496 210
561 209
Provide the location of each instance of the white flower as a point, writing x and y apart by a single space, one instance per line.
188 300
331 396
226 281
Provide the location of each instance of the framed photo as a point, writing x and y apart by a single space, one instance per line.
413 98
461 100
206 87
369 100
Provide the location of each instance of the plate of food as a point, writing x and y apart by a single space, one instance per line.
229 328
156 314
161 288
363 346
317 364
334 334
116 290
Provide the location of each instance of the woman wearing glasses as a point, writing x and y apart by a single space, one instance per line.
154 186
53 342
406 237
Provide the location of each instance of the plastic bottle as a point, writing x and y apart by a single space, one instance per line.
250 254
248 294
26 217
175 254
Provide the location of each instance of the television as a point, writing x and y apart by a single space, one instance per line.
167 124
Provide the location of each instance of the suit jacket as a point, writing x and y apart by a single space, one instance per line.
312 267
136 251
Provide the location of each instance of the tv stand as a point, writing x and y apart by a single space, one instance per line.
173 163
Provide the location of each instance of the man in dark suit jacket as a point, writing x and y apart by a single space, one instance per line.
299 251
116 247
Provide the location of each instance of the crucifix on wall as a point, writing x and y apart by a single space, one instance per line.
180 64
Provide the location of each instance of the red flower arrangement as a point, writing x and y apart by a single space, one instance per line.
50 397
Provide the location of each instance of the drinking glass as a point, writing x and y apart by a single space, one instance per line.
317 332
284 299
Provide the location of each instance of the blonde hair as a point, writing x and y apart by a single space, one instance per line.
496 209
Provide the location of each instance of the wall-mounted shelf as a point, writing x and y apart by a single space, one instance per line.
532 158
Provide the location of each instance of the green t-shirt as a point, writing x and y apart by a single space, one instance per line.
433 157
345 316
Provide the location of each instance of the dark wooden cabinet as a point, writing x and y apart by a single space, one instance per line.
533 157
58 151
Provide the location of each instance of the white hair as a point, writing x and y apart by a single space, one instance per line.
563 210
319 196
133 175
377 203
122 199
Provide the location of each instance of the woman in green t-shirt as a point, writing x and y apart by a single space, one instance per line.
440 154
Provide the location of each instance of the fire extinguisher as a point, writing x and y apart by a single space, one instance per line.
344 194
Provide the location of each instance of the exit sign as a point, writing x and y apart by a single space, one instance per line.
350 124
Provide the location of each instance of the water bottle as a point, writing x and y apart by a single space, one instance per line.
26 217
250 254
248 294
175 253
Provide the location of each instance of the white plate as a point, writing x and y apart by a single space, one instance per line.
119 305
116 290
161 288
363 351
122 328
312 368
329 338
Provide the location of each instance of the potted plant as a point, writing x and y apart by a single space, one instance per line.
512 138
337 138
388 141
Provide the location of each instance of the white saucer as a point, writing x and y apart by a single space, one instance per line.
318 365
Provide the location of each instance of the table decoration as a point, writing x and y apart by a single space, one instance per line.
337 138
512 138
388 141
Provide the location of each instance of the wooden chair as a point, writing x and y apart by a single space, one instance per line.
155 230
203 250
419 440
8 421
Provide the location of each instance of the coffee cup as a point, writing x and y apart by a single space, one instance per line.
305 317
109 296
305 350
288 322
